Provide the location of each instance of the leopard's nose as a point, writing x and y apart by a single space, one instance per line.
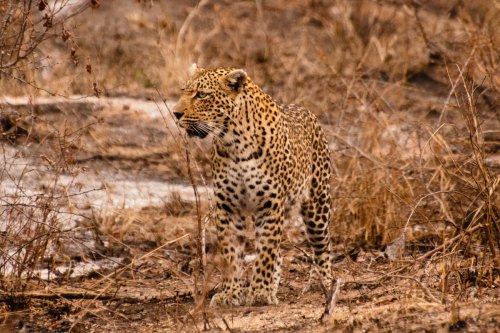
178 115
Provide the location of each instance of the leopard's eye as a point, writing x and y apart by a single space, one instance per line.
201 94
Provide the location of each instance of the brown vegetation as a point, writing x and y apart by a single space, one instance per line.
407 92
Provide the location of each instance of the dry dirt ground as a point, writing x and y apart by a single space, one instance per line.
160 303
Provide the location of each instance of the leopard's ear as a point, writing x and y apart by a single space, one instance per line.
234 80
194 69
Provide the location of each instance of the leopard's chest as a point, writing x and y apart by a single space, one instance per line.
247 182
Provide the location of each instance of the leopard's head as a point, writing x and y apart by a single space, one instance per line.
208 99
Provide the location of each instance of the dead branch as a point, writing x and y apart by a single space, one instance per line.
89 295
428 254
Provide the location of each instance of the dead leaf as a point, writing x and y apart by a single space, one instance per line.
385 300
65 35
42 5
48 21
97 90
74 57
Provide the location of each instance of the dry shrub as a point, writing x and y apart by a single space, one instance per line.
35 222
449 176
25 26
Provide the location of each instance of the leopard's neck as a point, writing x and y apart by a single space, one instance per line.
253 125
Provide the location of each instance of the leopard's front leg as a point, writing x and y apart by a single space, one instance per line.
231 236
231 229
267 266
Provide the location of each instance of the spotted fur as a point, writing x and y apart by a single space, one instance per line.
270 161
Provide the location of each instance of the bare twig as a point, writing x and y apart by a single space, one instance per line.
454 86
428 293
330 304
185 26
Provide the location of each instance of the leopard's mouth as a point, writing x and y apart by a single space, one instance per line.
194 133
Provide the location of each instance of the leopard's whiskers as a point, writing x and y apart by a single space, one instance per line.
211 129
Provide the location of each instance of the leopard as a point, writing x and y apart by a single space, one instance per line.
269 162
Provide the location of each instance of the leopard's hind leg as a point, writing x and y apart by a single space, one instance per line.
316 212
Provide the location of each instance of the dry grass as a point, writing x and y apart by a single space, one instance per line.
407 93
